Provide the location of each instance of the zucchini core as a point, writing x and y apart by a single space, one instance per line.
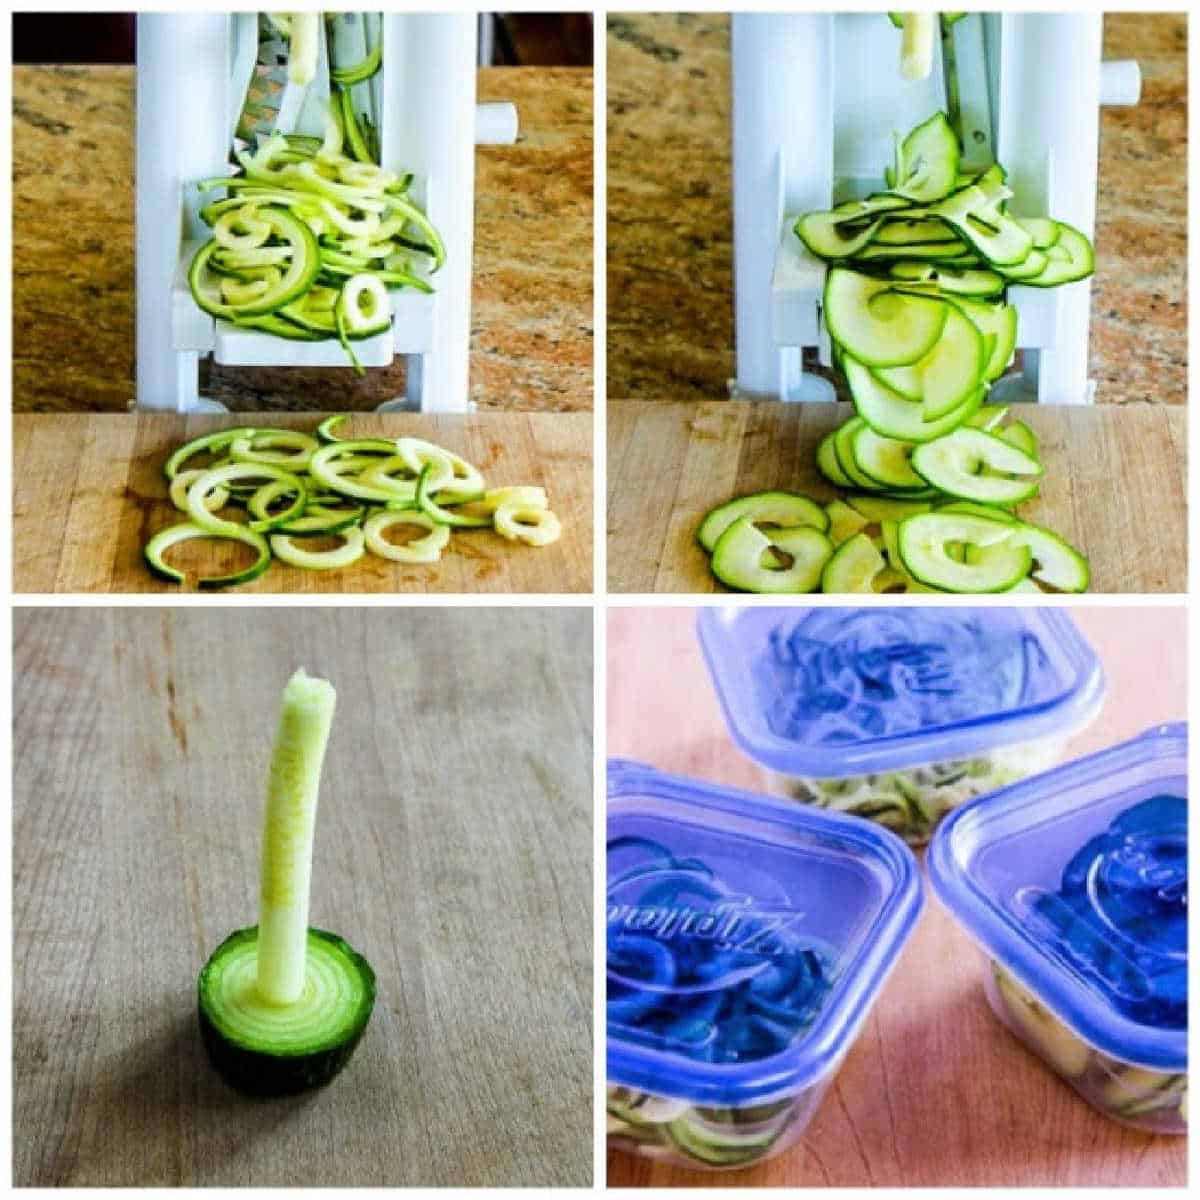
282 1006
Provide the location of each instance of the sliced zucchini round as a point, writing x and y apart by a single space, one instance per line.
927 161
891 415
1044 231
265 1049
978 282
1020 435
827 462
975 215
999 320
528 523
1068 259
1055 562
843 445
925 541
885 460
914 231
326 429
445 516
213 443
948 374
303 265
161 542
749 560
320 520
426 549
855 565
974 465
350 551
785 509
831 239
877 325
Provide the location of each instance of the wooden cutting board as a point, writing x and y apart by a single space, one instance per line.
1115 484
89 492
935 1092
454 849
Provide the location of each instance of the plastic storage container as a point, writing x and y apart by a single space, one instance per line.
899 714
747 940
1074 884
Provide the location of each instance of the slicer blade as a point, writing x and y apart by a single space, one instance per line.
968 95
273 103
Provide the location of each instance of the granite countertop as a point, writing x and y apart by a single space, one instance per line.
73 295
670 271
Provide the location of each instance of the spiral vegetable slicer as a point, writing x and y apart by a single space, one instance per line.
193 71
816 99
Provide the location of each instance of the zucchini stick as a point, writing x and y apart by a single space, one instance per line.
916 45
304 724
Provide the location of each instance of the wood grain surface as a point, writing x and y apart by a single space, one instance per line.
935 1091
1115 484
89 492
73 252
453 849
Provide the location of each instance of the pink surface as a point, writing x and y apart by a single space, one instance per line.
936 1091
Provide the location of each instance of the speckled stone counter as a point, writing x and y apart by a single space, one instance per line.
73 302
670 271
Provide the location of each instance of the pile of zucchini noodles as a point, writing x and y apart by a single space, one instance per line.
313 232
296 486
742 993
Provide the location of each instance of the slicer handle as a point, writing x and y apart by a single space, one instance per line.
1120 82
496 124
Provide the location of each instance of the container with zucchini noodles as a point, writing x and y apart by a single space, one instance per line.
746 944
899 714
1074 886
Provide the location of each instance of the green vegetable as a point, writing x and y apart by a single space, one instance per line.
282 1006
296 486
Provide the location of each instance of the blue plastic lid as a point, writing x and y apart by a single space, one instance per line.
829 692
747 938
1076 881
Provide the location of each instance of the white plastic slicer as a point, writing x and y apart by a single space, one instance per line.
816 98
193 71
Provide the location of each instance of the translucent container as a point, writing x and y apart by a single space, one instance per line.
899 714
747 940
1074 884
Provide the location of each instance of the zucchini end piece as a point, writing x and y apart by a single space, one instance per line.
266 1050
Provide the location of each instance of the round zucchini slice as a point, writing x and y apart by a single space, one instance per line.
1068 258
996 563
843 446
1055 562
830 238
878 325
889 414
997 320
974 465
785 509
303 265
855 565
264 1049
948 374
885 460
750 560
162 541
827 462
965 282
350 551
